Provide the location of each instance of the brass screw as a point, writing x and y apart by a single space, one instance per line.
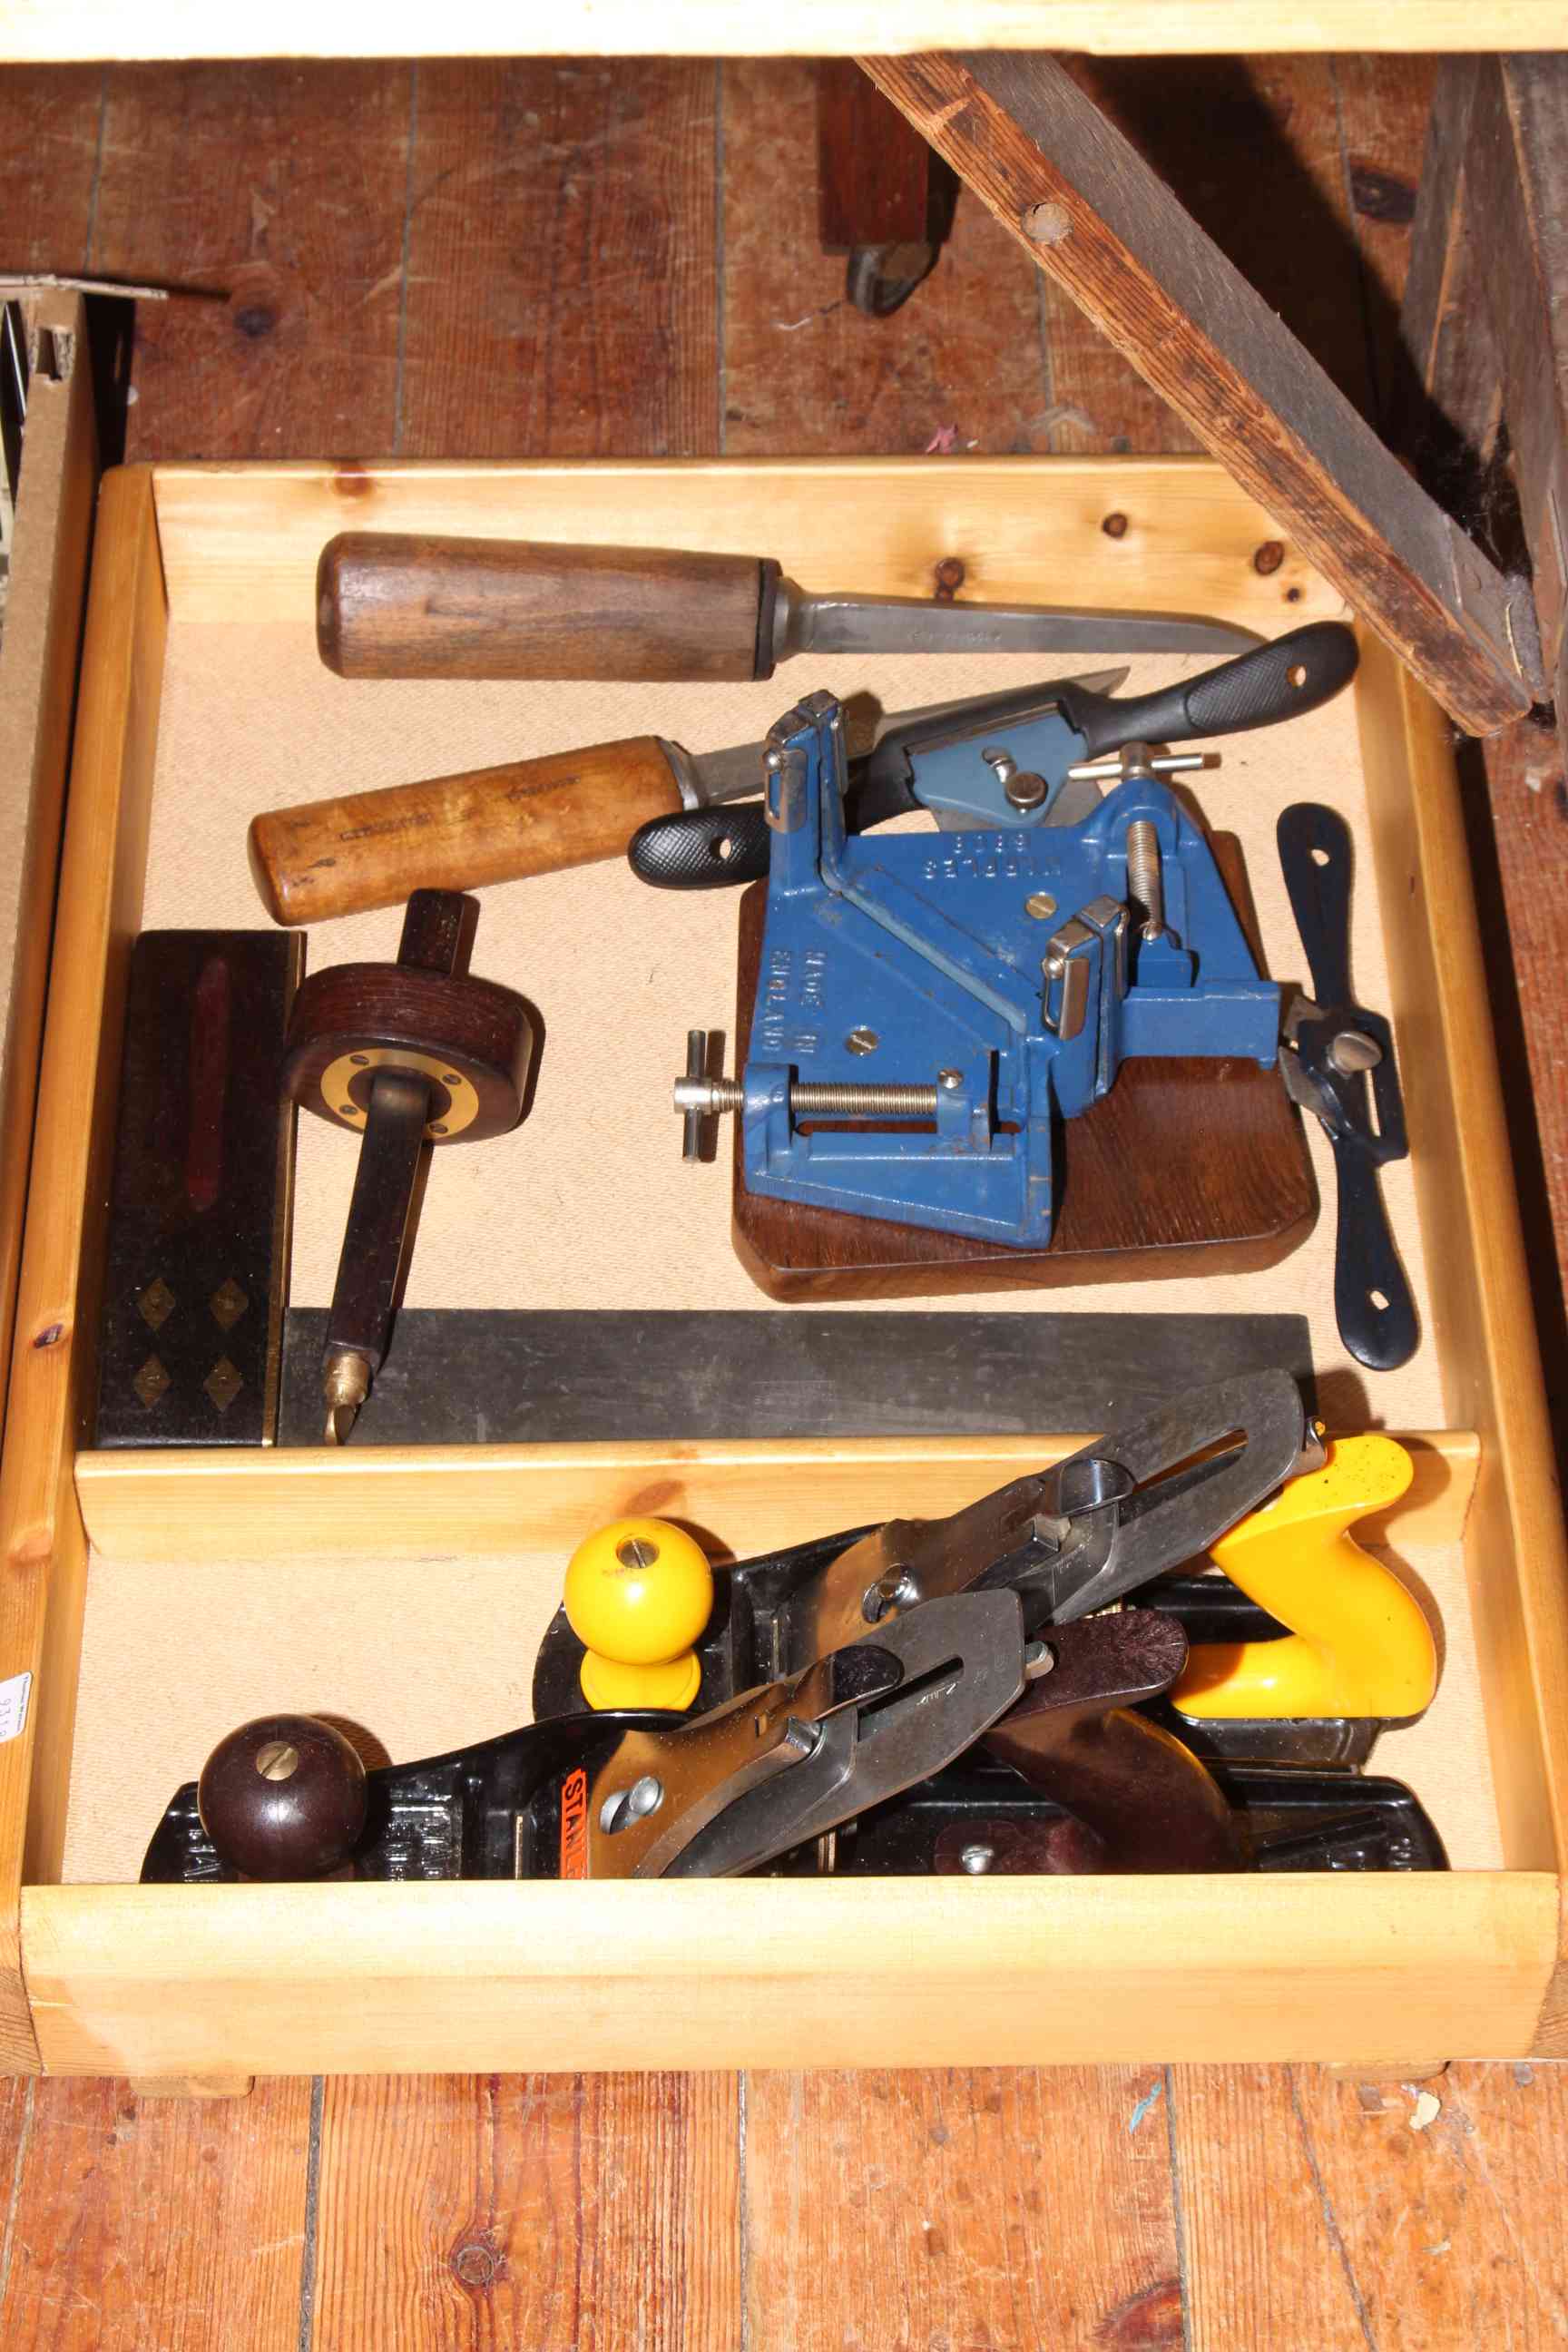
278 1760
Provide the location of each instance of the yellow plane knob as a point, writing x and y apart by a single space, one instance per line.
1360 1643
638 1594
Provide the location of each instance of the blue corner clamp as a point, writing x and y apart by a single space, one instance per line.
997 967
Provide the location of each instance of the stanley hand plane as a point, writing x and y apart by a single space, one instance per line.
776 1771
627 1795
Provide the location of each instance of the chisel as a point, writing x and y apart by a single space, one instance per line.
391 606
343 856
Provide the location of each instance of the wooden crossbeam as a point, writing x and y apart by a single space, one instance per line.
1068 187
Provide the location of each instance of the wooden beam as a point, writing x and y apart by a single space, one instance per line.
1046 162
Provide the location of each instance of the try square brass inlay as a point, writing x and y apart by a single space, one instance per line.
151 1381
229 1303
156 1306
223 1383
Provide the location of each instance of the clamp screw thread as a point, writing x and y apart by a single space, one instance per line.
1144 882
698 1096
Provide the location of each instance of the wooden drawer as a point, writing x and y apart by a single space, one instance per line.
158 1599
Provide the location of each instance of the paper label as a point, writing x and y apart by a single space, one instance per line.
14 1695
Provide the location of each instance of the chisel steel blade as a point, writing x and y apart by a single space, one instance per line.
837 623
707 778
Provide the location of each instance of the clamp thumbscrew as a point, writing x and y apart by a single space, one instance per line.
698 1096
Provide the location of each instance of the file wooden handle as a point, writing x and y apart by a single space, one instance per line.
343 856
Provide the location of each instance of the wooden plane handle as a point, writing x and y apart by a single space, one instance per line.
343 856
388 605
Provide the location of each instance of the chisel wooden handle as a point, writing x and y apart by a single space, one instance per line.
494 824
395 606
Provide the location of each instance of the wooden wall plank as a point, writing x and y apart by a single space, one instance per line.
50 129
1006 2209
1063 181
1383 107
556 2211
561 262
1517 167
273 196
1373 2233
1262 2267
173 2224
807 373
1253 150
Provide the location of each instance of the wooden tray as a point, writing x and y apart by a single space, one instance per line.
156 1599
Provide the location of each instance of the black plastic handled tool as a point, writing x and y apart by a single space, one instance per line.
716 848
704 848
1339 1064
1284 679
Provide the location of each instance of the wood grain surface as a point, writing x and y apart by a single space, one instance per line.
325 857
559 265
1295 2210
999 2208
1388 2221
389 605
271 200
174 2223
555 2212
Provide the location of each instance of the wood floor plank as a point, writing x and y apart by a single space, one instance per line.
172 2225
1457 2231
1385 2221
560 2212
1263 2251
1384 104
275 195
805 371
50 122
563 262
1007 2209
1252 146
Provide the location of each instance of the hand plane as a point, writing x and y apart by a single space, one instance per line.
1084 1534
622 1794
1294 1668
943 1743
957 995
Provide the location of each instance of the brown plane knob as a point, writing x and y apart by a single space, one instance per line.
283 1798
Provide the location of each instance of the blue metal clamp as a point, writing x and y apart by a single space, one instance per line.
993 977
